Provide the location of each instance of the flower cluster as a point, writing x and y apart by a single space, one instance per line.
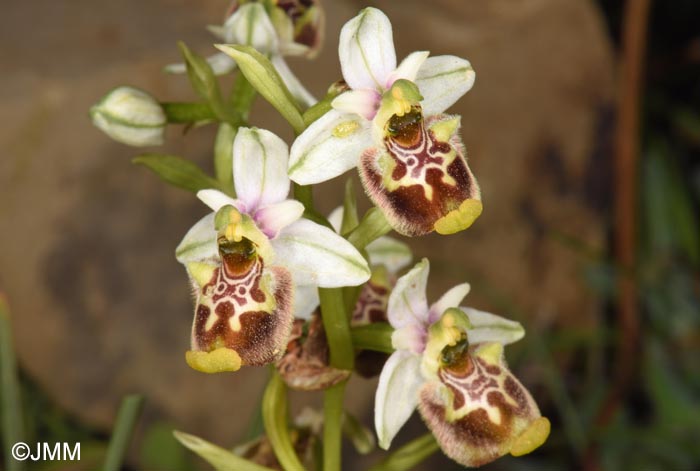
277 283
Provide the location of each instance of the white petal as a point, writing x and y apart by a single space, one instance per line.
271 219
487 327
336 218
216 199
331 146
315 255
251 26
259 168
298 91
452 298
408 69
442 80
199 243
397 395
305 301
366 50
407 302
391 253
364 101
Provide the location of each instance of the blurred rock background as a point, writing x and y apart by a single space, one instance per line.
100 306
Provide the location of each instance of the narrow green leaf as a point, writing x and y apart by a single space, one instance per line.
373 226
264 78
219 458
375 336
409 455
178 172
205 84
274 411
673 400
10 405
127 417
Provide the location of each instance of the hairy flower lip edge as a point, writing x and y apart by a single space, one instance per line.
527 440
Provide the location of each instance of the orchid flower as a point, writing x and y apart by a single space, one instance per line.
252 259
449 363
275 28
389 124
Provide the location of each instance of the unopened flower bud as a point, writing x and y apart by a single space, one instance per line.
130 116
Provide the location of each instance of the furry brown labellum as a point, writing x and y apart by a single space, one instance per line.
478 411
420 177
244 310
305 364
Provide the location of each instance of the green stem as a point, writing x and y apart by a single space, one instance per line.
337 327
129 412
274 411
342 355
11 406
373 226
332 428
187 112
409 455
375 337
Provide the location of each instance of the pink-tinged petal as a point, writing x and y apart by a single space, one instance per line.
397 395
305 365
452 298
260 168
366 50
408 69
199 244
487 327
305 301
298 91
331 146
315 255
273 218
442 80
363 101
411 337
245 307
216 200
477 410
420 178
408 303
